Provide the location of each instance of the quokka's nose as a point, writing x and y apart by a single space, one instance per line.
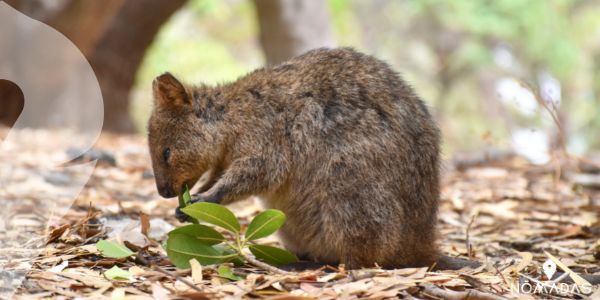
166 191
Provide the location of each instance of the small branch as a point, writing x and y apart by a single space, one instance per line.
498 272
263 265
183 280
432 290
560 222
468 237
351 278
560 278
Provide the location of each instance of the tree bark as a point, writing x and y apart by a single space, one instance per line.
119 53
291 27
83 22
11 96
112 34
11 102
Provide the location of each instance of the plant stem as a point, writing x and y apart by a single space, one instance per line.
177 277
227 256
238 243
263 265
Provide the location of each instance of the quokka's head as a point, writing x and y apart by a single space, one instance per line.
183 134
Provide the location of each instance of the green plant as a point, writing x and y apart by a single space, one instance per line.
185 199
113 249
116 273
208 246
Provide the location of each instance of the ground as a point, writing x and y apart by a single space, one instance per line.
508 214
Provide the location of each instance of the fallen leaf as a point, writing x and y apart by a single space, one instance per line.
113 249
196 271
118 294
226 272
57 232
116 273
145 221
59 268
576 278
525 261
158 292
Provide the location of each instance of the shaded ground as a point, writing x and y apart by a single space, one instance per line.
504 214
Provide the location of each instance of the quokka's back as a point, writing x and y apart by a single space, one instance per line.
341 144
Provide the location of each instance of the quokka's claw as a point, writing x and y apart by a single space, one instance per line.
182 217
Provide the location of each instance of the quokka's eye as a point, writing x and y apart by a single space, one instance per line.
166 154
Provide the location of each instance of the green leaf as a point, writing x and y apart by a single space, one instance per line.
214 214
225 249
203 233
181 248
185 198
226 272
113 249
265 224
116 273
272 255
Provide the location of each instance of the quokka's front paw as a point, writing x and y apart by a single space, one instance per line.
182 217
205 198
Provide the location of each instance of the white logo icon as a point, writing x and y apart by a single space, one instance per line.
549 268
62 95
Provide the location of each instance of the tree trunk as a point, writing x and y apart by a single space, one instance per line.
11 102
83 22
119 53
291 27
112 34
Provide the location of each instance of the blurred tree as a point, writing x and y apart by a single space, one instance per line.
115 34
112 34
81 21
291 27
543 44
119 52
11 102
458 53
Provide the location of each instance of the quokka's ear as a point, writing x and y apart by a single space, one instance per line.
169 92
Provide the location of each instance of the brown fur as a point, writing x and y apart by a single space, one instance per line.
333 138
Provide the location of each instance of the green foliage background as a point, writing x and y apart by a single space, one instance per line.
444 48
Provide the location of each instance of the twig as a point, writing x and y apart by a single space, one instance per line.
587 161
468 238
351 278
265 266
472 281
561 277
183 280
561 222
432 290
553 112
500 273
102 232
